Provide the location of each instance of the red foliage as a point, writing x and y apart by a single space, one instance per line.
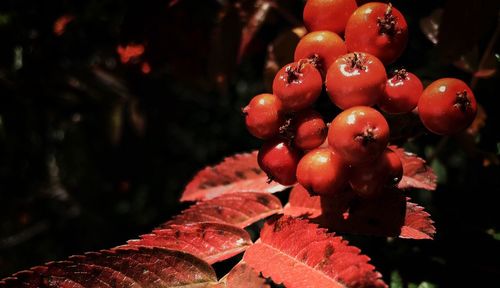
242 275
61 23
415 173
290 250
418 223
129 52
211 242
347 213
130 268
239 209
239 173
299 254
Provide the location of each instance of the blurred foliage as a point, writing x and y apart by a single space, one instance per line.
108 108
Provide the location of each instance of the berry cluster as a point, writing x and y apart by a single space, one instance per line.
354 76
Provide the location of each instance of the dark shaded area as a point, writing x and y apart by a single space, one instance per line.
94 151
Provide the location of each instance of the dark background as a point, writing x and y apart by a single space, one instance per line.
94 151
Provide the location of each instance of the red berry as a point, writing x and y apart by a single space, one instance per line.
379 29
372 179
356 79
322 172
297 85
402 92
331 15
279 161
321 47
263 116
447 106
310 130
359 135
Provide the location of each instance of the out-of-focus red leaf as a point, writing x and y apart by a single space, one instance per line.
430 25
145 68
302 204
239 173
416 174
262 8
242 275
129 52
418 223
61 23
141 267
211 242
299 254
358 216
239 209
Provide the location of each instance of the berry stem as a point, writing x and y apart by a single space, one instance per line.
462 101
366 137
357 61
287 130
401 74
316 61
293 72
387 24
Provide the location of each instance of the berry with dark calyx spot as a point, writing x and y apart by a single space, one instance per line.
263 116
378 29
356 79
321 48
447 106
372 179
321 171
359 135
331 15
297 85
310 130
279 160
402 92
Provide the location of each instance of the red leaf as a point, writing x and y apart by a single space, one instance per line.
348 213
242 275
141 267
239 173
122 262
299 254
418 223
88 275
60 282
129 52
211 242
301 203
27 279
345 212
415 173
61 23
238 209
352 215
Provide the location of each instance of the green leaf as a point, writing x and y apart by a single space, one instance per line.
427 285
440 171
396 280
